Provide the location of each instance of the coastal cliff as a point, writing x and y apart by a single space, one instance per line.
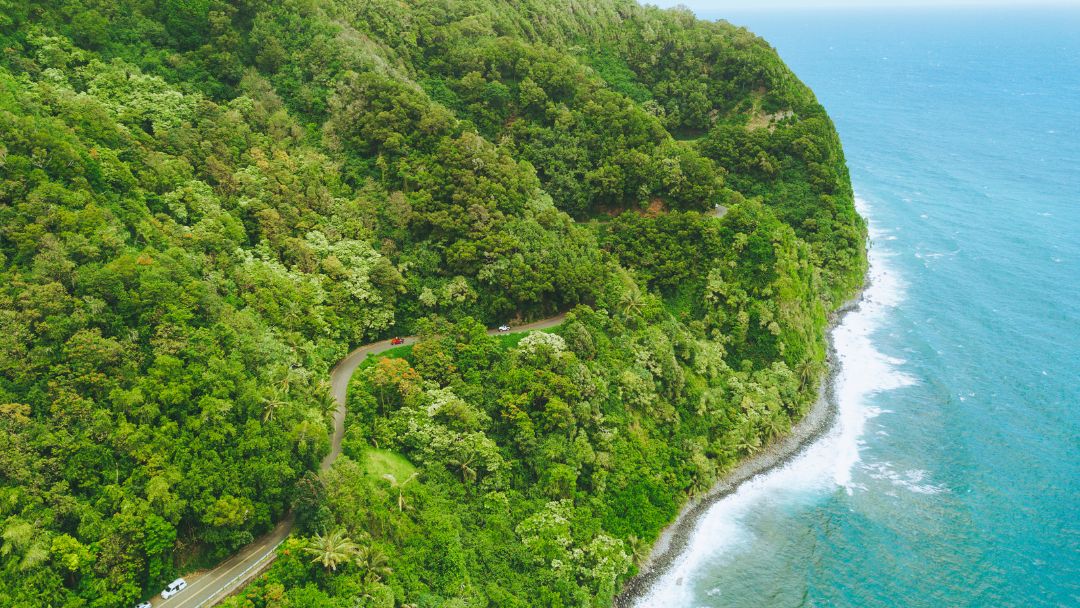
205 205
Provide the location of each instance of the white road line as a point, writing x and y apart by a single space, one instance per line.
346 367
208 582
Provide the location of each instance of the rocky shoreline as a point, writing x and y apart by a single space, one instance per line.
674 538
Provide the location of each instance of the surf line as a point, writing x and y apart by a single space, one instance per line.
818 455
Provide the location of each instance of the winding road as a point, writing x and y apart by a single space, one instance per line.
210 587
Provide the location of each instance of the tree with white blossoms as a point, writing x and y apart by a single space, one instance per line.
546 533
708 359
455 292
600 564
136 97
454 412
636 389
288 298
656 354
359 283
458 291
548 540
541 348
447 432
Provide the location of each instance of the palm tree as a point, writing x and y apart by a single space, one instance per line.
698 484
632 302
807 372
293 373
749 440
373 564
325 394
271 404
22 537
464 466
639 550
400 487
332 549
775 424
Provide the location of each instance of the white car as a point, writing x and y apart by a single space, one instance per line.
174 587
144 605
504 328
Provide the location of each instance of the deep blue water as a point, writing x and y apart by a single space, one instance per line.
953 476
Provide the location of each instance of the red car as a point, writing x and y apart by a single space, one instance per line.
396 341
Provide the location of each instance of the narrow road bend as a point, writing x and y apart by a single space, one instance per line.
210 587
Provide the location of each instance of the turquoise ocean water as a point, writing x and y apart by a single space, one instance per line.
952 477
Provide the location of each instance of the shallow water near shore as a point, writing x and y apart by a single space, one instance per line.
952 474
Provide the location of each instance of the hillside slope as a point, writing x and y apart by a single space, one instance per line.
204 205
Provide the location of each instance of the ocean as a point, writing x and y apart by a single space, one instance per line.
952 474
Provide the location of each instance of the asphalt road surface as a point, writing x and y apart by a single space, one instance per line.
208 588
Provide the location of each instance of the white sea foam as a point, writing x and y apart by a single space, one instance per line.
824 466
913 480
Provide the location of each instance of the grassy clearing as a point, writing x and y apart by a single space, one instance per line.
399 352
508 341
378 462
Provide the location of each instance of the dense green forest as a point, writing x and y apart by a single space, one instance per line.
205 204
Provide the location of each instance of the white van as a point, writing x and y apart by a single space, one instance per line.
174 587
